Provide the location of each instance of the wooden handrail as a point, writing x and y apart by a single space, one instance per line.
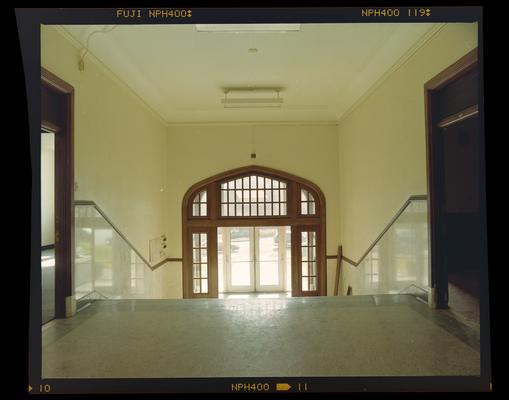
115 228
338 269
392 221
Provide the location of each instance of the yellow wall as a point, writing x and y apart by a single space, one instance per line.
199 151
382 148
119 145
367 166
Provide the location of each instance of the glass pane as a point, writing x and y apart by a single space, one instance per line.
305 286
268 183
305 270
224 210
253 182
261 210
241 273
196 286
203 240
231 209
268 209
303 195
254 210
196 270
312 238
203 255
312 253
269 273
240 248
275 209
304 253
196 210
245 182
238 210
312 269
261 182
304 238
311 208
203 210
224 196
203 270
231 185
196 255
203 196
204 286
312 284
196 240
276 195
282 209
231 196
246 210
304 208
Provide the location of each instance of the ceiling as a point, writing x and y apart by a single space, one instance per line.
323 69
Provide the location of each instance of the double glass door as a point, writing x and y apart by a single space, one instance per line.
254 259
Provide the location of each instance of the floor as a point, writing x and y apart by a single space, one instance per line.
464 293
48 284
386 335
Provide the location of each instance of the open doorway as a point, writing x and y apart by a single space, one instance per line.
254 259
57 197
456 186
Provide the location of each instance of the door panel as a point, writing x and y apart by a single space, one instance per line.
239 245
270 258
255 258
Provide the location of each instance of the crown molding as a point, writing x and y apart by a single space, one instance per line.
104 68
432 32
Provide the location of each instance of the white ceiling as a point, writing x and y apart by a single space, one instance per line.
180 73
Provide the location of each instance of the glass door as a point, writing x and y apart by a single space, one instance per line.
239 259
270 244
254 259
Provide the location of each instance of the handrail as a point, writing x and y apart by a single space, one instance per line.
115 228
415 286
392 221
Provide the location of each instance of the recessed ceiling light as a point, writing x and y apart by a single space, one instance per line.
247 28
253 50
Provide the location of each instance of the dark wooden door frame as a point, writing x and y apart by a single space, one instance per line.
64 190
438 278
213 220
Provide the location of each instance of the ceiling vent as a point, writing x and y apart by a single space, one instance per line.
252 98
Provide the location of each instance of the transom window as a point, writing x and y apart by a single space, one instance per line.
253 196
307 203
200 204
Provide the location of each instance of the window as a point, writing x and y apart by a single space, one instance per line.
200 204
257 199
308 261
307 203
253 196
200 263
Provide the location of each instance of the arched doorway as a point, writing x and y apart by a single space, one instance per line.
253 202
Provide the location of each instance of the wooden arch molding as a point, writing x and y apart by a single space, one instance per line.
213 219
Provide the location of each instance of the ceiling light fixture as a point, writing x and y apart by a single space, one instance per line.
254 98
248 28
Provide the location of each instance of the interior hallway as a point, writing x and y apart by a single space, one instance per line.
313 336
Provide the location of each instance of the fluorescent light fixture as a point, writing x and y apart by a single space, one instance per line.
257 98
247 28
